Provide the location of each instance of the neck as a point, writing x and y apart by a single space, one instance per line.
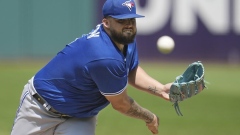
119 46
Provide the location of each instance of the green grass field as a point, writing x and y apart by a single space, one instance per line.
215 111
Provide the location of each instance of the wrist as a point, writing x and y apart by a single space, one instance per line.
154 122
151 120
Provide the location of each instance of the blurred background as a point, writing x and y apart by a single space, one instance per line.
32 32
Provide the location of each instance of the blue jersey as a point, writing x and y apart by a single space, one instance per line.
75 81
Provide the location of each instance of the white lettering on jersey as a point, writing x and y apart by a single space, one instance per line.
94 33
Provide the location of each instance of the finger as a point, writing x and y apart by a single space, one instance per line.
154 131
165 96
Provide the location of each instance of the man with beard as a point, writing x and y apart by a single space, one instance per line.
66 95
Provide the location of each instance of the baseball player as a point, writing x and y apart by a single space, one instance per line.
93 71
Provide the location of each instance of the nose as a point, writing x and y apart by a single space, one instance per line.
130 22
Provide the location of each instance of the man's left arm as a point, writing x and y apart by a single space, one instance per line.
142 81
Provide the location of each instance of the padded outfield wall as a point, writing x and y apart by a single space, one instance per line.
39 28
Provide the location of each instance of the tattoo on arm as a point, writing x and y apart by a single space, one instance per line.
137 111
152 89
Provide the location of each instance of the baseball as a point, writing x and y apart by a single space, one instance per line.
165 44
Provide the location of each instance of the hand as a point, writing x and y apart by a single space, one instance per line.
165 92
153 126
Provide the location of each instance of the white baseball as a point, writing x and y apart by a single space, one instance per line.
165 44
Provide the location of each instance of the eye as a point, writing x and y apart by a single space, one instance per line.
124 21
132 19
120 21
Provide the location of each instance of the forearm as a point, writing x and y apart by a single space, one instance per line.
141 80
136 111
155 89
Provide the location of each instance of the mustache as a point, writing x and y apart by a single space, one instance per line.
123 38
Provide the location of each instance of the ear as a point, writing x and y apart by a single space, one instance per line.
105 22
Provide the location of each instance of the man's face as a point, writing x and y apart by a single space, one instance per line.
123 31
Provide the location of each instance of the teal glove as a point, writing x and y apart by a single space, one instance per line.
190 83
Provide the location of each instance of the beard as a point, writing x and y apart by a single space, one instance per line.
122 38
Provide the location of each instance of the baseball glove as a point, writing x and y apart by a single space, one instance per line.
190 83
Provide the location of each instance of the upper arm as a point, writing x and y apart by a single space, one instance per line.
132 75
121 102
141 80
138 76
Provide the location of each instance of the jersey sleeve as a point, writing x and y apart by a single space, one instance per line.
110 76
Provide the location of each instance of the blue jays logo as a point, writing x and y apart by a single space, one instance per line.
128 4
